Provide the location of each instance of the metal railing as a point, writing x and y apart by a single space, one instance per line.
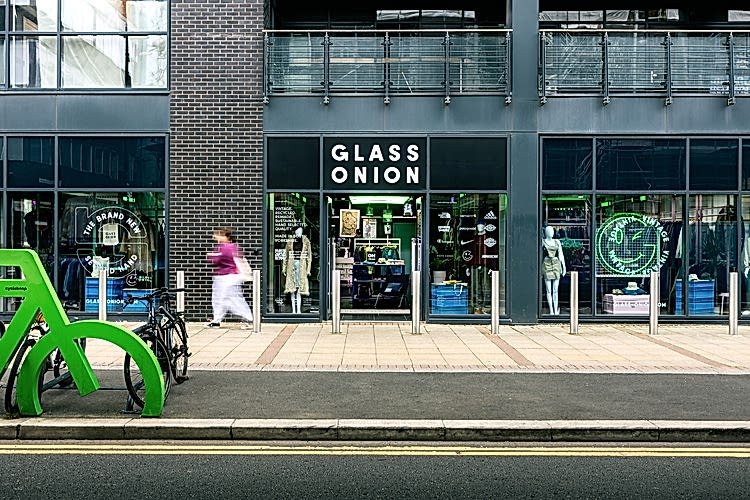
443 62
623 62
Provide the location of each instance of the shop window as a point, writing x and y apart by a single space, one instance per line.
640 164
567 164
635 235
467 241
712 250
91 162
746 164
30 225
713 164
744 262
122 233
293 275
569 217
472 163
293 162
31 162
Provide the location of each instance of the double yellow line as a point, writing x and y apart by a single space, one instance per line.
176 448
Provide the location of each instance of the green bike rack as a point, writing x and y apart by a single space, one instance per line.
36 290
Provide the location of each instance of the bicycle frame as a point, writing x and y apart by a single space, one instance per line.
38 294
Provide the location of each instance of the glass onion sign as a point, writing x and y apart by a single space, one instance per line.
357 163
630 244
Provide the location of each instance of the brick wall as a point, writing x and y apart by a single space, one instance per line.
216 123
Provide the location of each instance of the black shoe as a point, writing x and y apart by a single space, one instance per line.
213 325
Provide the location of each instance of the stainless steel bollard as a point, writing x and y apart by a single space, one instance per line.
103 295
573 302
653 305
733 302
180 295
336 301
495 306
256 301
416 297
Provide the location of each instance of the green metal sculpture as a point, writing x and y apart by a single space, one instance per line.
38 295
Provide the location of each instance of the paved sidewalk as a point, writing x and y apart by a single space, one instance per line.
461 348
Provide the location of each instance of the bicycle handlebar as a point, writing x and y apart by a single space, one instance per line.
161 292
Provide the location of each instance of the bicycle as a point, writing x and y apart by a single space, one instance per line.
162 328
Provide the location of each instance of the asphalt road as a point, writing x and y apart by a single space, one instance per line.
233 394
293 473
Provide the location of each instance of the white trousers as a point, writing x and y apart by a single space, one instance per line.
227 297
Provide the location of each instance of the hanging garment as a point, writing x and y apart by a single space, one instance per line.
296 267
551 265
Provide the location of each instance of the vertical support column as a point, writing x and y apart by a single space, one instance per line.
416 298
730 99
495 309
326 68
266 64
336 301
573 302
653 304
102 295
733 302
180 295
605 68
447 68
256 300
668 44
387 69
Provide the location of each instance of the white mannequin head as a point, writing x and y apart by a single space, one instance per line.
298 232
549 232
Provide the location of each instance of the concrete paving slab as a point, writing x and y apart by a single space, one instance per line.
72 428
178 428
386 430
304 429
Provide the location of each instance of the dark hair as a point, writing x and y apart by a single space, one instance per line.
227 232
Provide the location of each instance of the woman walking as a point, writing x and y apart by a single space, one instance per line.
227 286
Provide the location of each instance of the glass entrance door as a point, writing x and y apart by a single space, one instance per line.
373 246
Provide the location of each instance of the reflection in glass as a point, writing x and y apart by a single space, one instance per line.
114 15
712 250
31 162
746 164
467 241
744 264
33 62
636 235
147 15
567 164
713 163
33 15
147 61
124 232
136 162
287 257
93 61
640 164
570 217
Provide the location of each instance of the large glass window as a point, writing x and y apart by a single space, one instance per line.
640 164
712 251
467 242
293 253
636 235
570 217
713 164
30 225
137 162
121 232
114 15
93 61
567 164
34 15
31 162
33 61
746 164
147 61
744 263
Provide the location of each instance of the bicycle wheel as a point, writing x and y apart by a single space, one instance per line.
11 405
60 367
177 333
133 377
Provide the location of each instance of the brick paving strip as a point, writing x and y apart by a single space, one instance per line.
674 348
276 345
508 349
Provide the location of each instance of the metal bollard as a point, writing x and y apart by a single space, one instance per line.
573 302
495 306
256 301
103 295
653 305
733 302
180 295
416 294
336 301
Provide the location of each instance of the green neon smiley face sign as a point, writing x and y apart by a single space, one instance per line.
630 244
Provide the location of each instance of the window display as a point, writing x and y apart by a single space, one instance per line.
467 242
293 254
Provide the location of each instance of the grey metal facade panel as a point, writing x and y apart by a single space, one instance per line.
84 113
626 115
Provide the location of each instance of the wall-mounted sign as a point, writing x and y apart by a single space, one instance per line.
629 244
391 163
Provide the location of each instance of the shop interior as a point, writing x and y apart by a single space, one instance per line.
373 239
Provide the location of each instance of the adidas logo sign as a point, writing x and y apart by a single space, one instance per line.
490 215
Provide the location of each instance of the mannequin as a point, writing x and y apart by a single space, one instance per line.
296 268
553 268
746 273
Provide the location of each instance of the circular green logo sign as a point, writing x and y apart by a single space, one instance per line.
629 244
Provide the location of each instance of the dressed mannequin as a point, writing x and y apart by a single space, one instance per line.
553 268
746 273
296 268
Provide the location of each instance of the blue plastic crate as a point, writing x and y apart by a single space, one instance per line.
700 297
449 299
